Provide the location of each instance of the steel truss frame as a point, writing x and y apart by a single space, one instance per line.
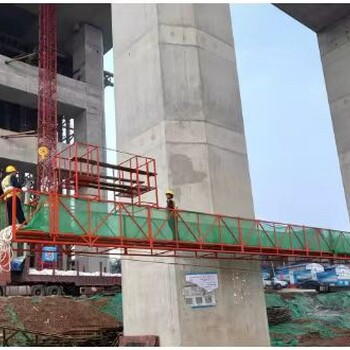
47 97
255 243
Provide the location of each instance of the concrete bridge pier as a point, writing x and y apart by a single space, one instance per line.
177 100
331 23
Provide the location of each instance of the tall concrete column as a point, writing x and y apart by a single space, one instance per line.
334 43
177 100
89 125
87 52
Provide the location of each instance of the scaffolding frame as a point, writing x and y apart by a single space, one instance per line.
80 170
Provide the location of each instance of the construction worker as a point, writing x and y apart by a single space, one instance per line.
8 184
171 213
2 172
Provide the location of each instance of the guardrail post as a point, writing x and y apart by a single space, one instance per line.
89 213
305 241
200 237
53 213
240 234
149 226
219 218
14 208
176 226
275 237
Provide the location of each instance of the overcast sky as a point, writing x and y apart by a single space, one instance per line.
293 160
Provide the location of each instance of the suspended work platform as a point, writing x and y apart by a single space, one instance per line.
80 212
61 220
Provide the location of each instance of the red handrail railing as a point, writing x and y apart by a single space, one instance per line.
104 223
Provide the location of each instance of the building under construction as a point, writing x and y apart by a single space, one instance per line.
180 120
81 35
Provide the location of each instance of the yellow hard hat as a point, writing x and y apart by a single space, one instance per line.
169 192
10 169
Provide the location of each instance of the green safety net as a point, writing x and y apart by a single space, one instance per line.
81 216
325 315
113 305
3 214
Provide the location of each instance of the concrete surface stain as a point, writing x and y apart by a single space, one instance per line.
182 170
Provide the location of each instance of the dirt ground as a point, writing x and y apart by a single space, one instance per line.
54 314
316 340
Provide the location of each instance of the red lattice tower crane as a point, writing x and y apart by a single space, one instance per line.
47 97
47 104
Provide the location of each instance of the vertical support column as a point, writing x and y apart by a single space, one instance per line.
87 44
177 100
334 43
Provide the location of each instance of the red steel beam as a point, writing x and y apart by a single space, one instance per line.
154 238
145 244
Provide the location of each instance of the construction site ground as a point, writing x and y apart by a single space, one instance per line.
58 315
295 318
309 319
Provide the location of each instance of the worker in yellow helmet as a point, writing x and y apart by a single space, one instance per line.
171 213
8 184
2 174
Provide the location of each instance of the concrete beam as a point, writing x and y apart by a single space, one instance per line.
22 149
316 16
19 84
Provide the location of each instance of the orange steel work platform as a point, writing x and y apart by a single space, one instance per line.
77 214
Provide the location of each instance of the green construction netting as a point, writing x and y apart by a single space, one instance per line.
326 315
113 307
79 217
3 214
